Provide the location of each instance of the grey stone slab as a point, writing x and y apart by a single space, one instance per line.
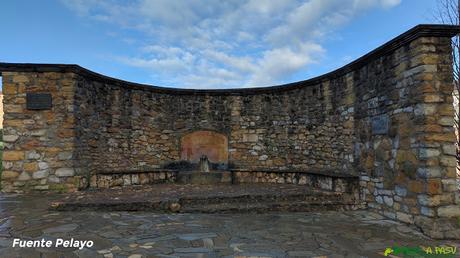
192 250
380 124
196 236
61 229
301 253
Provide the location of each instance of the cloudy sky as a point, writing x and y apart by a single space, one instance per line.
204 43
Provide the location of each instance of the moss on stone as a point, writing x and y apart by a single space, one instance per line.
409 169
61 188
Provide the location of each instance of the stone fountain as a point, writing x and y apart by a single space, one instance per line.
204 164
206 155
203 173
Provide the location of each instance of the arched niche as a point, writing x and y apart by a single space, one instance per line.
212 144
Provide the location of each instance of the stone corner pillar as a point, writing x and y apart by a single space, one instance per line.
39 133
408 173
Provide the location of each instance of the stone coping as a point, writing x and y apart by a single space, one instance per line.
154 170
422 30
323 172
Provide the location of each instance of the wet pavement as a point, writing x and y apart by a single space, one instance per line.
148 234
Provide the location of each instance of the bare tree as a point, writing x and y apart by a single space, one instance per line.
448 12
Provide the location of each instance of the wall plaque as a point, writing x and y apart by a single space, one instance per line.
39 101
380 124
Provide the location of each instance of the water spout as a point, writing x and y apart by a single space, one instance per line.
204 164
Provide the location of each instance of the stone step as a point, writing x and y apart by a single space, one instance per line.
312 197
263 207
313 201
211 208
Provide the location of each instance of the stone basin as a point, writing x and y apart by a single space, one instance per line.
204 178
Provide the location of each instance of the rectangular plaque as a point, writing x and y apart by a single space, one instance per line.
39 101
380 124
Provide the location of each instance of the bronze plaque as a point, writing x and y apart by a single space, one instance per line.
39 101
380 124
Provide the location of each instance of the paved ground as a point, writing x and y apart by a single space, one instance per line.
146 234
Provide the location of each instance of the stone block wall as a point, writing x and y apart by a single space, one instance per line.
386 116
140 129
409 169
1 110
38 145
110 180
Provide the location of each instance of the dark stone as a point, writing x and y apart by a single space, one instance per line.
214 177
389 179
380 124
182 165
409 169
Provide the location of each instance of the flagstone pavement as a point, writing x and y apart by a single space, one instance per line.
146 234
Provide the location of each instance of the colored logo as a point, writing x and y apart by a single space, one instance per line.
388 251
435 251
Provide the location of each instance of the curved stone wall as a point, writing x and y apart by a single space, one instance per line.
140 129
386 117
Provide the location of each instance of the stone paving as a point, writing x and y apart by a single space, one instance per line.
147 234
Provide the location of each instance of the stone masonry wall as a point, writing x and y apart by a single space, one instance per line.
1 110
408 170
123 129
387 117
38 145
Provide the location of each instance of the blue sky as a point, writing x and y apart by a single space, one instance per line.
204 44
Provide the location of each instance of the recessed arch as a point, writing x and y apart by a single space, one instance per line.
210 143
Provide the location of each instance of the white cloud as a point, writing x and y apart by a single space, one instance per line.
232 43
81 7
279 62
390 3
